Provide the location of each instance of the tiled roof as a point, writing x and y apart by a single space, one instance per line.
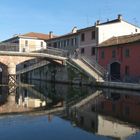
37 35
121 40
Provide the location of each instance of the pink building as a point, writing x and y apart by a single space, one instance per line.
120 56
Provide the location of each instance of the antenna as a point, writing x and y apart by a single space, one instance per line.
136 24
135 21
87 19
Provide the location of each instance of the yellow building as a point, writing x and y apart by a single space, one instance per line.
26 43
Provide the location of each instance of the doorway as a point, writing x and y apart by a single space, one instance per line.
115 71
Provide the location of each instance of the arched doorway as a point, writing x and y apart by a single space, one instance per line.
115 71
3 74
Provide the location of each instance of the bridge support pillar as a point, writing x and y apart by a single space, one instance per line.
12 74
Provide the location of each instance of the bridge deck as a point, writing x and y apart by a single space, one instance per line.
29 54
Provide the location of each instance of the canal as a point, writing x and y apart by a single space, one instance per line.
40 110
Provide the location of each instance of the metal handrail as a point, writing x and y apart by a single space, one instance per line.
91 62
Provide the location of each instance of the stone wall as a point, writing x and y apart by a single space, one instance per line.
56 73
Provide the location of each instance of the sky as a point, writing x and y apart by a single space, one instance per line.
60 16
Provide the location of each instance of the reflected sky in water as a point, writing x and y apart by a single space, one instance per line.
30 127
88 112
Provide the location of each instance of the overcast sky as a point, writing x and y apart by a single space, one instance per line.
60 16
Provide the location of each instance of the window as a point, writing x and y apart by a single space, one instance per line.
67 42
26 43
58 44
41 44
126 110
93 51
82 37
102 54
93 35
75 41
126 70
127 53
49 44
93 125
113 107
55 44
72 42
82 50
62 43
81 120
113 54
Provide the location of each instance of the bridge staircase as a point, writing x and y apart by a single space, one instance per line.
90 67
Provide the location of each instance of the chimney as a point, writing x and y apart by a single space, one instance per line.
97 22
50 34
120 17
74 30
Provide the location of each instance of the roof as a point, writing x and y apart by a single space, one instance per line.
121 40
62 36
110 22
37 35
87 28
32 35
98 24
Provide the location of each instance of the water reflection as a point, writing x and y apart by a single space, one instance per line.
30 98
110 113
107 112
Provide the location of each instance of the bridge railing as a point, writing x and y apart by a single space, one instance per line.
9 46
53 51
92 63
6 46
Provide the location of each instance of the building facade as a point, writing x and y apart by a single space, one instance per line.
88 39
67 42
25 43
120 57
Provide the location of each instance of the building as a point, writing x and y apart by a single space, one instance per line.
67 42
88 39
120 56
25 43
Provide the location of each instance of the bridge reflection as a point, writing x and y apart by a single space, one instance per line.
110 113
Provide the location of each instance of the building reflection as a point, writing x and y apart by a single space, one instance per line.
112 114
124 105
30 98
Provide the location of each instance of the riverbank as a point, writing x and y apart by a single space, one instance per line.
118 85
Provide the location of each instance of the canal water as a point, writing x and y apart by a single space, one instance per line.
51 111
